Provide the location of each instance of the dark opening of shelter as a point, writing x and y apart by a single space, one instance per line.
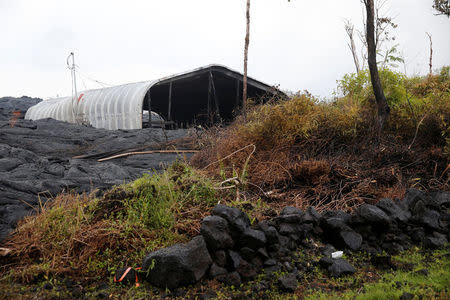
201 97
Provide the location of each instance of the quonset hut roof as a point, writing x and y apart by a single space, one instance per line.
203 95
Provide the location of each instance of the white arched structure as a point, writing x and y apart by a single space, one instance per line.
117 107
121 107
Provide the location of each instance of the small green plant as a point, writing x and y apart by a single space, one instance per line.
358 86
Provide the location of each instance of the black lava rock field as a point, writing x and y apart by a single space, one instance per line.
37 158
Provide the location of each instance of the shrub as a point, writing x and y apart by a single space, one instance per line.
358 87
417 103
158 197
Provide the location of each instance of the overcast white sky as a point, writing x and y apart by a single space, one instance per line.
298 45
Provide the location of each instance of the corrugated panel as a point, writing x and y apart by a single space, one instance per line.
118 107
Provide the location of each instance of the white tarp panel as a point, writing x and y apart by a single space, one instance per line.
117 107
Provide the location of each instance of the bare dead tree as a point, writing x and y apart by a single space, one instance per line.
431 53
247 41
442 7
382 105
350 28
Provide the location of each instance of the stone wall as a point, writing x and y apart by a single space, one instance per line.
232 250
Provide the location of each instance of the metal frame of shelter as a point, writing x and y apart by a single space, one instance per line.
187 98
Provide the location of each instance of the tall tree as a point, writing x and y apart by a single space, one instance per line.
382 105
442 7
247 41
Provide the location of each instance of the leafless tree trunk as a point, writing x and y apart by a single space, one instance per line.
431 53
383 107
349 28
247 41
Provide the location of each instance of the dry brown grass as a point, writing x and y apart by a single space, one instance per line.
324 155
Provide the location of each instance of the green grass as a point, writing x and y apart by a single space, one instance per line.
159 197
393 284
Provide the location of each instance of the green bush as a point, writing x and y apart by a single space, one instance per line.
359 87
417 103
158 197
300 118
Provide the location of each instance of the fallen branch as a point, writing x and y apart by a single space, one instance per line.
103 154
146 152
221 188
235 180
445 171
417 131
80 241
4 251
229 155
257 186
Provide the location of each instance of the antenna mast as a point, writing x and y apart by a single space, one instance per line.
71 67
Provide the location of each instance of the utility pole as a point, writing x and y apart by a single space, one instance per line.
247 41
71 67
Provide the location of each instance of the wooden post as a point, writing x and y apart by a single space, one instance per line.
169 111
247 41
149 107
431 54
216 99
237 93
209 98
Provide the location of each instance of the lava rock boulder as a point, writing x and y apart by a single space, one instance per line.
214 230
237 219
341 267
178 265
373 215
